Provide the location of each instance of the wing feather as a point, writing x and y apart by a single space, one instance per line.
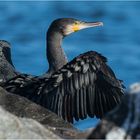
77 106
81 103
84 102
84 86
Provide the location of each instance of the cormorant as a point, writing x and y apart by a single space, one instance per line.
85 86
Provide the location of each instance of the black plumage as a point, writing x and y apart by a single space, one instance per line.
84 86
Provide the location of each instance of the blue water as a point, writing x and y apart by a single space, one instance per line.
24 25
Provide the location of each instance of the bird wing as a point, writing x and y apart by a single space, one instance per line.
84 86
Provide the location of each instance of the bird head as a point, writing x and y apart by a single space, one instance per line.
66 26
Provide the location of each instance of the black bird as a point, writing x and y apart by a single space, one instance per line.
85 86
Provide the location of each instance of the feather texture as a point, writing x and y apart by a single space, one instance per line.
86 86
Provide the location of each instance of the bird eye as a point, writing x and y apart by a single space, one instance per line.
76 23
61 27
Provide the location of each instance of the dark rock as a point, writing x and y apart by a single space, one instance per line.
124 121
12 127
22 107
7 69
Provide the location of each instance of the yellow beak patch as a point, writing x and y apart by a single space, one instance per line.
75 28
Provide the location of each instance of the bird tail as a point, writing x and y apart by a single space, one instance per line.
7 69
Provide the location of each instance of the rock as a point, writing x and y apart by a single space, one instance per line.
7 69
124 121
22 107
12 127
135 88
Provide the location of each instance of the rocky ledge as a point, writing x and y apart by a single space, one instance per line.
12 127
22 107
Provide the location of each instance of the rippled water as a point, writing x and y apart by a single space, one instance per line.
24 25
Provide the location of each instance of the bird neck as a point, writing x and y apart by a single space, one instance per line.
55 53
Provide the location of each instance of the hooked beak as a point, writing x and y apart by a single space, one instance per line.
84 25
79 26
